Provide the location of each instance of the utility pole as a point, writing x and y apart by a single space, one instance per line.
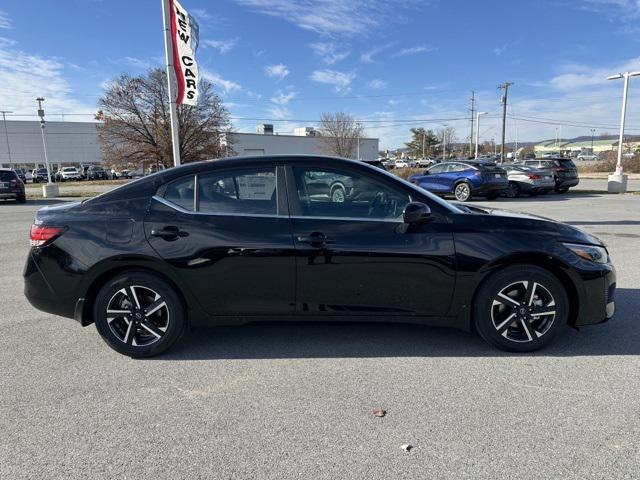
593 131
423 139
444 142
358 127
6 133
505 87
473 112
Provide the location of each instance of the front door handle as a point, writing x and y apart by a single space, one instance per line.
315 239
169 232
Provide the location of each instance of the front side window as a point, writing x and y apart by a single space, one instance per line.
250 191
346 194
438 168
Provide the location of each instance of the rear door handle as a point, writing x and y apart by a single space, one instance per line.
169 232
315 239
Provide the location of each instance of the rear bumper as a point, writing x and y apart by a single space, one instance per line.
41 292
566 183
10 195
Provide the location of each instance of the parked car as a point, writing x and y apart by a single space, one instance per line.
123 174
463 179
565 172
587 157
68 173
400 164
425 162
40 175
95 172
528 180
240 240
11 187
389 164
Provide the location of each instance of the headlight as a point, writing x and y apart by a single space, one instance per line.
592 253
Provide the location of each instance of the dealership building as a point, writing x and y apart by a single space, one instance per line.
76 143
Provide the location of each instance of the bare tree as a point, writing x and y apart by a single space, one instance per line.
340 134
135 127
447 136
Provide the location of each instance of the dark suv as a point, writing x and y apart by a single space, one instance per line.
11 187
565 172
96 173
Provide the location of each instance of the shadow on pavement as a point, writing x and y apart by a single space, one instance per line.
619 336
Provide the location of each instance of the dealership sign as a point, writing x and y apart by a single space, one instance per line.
184 36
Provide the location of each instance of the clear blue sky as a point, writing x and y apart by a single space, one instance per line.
396 61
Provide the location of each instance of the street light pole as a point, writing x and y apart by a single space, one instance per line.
358 127
618 182
478 131
423 143
50 189
6 133
444 142
593 131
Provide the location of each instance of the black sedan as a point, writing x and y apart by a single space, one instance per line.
248 239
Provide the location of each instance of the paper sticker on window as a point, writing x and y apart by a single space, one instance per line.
256 187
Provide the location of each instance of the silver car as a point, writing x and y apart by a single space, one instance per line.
529 180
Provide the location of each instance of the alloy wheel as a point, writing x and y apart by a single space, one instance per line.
337 196
523 311
137 315
462 192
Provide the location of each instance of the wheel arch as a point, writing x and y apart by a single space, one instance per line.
553 265
111 270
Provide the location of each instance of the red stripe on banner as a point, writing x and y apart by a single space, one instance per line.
176 57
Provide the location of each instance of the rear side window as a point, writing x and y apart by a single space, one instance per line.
6 176
243 191
181 192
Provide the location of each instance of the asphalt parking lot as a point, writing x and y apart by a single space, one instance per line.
296 401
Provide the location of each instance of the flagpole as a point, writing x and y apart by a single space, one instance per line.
173 110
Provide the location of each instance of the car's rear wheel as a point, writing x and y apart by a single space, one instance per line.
338 195
562 189
462 192
513 190
21 198
139 314
520 308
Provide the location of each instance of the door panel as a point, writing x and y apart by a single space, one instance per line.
374 268
356 256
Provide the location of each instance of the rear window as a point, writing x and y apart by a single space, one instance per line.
6 176
565 163
242 191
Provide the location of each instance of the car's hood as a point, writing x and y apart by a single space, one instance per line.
567 232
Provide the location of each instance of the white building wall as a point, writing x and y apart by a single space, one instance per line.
67 143
245 144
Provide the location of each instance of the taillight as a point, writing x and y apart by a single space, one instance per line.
533 176
41 236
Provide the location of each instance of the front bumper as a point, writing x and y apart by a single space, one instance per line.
597 303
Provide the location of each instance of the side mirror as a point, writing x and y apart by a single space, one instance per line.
416 213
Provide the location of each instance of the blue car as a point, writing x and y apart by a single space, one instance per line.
463 179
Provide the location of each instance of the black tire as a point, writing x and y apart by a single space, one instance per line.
513 191
562 189
135 333
22 199
338 195
508 323
462 192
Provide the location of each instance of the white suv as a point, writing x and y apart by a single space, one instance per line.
69 173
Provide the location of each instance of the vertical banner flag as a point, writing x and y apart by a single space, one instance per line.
184 36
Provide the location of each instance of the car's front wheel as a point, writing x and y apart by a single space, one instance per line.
513 190
139 314
462 192
520 308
